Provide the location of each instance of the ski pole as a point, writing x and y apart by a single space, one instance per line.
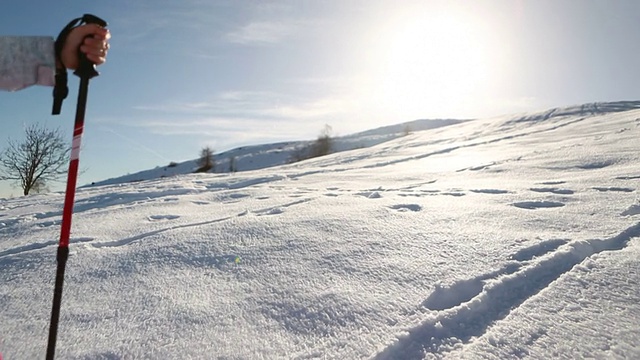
86 70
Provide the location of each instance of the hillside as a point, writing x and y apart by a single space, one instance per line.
510 237
255 157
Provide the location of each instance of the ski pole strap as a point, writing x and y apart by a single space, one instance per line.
61 90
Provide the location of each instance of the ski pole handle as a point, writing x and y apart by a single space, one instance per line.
87 69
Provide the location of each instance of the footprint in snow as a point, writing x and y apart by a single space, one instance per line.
50 223
613 188
162 217
412 195
533 205
454 193
370 194
481 167
632 210
238 196
406 207
553 190
560 182
232 198
628 177
596 165
490 191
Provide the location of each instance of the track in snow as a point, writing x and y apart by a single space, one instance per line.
468 308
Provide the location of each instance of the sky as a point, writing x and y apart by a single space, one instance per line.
194 73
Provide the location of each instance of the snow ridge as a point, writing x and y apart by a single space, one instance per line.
588 109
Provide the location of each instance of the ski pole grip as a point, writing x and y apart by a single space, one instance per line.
87 69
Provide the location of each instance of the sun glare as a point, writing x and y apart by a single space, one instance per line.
427 64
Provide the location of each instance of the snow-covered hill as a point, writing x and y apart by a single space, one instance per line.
510 237
257 157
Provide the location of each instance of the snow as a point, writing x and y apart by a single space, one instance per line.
268 155
509 237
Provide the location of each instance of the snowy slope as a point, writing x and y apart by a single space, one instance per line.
257 157
511 237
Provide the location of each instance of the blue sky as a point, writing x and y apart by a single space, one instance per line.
186 74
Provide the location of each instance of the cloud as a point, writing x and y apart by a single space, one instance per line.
165 24
257 105
324 107
227 103
135 144
261 32
223 132
233 118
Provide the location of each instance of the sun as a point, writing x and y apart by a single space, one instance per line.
429 63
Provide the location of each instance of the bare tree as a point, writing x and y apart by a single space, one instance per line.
299 153
232 164
205 162
322 145
37 160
